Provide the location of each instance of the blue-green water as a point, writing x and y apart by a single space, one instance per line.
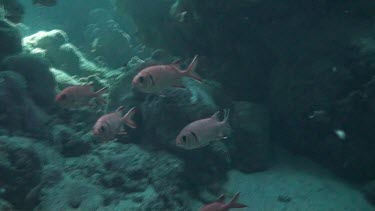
172 104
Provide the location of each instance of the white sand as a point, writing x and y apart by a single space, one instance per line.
310 187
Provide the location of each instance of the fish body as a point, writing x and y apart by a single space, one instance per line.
47 3
220 205
109 125
78 96
202 132
155 79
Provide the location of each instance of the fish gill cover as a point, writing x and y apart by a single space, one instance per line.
178 105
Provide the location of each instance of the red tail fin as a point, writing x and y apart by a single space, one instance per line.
128 118
190 71
234 204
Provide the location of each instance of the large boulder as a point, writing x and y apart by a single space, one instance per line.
40 81
19 112
10 40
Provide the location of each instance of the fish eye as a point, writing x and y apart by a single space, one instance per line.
63 96
141 79
184 139
102 129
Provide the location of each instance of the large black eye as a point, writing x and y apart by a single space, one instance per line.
141 79
102 128
63 97
184 139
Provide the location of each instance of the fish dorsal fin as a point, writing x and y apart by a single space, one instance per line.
90 86
120 110
221 198
233 203
216 116
176 64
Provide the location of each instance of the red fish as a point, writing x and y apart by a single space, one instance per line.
47 3
156 78
78 96
220 205
109 125
202 132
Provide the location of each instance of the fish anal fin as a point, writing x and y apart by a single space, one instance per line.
179 84
128 118
101 101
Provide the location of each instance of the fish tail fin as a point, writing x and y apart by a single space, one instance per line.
190 71
128 118
233 203
99 97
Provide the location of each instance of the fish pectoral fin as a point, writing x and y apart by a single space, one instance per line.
122 133
222 137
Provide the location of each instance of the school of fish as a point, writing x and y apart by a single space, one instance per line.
151 80
154 80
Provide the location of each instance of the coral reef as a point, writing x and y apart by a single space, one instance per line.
261 59
62 55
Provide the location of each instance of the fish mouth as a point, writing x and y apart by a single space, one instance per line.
95 132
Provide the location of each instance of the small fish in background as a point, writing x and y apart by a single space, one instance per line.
202 132
220 205
94 45
109 125
47 3
340 134
78 96
182 16
154 79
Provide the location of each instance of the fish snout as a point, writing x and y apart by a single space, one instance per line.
57 98
95 131
179 142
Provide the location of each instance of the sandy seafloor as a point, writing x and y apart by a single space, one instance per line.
309 185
